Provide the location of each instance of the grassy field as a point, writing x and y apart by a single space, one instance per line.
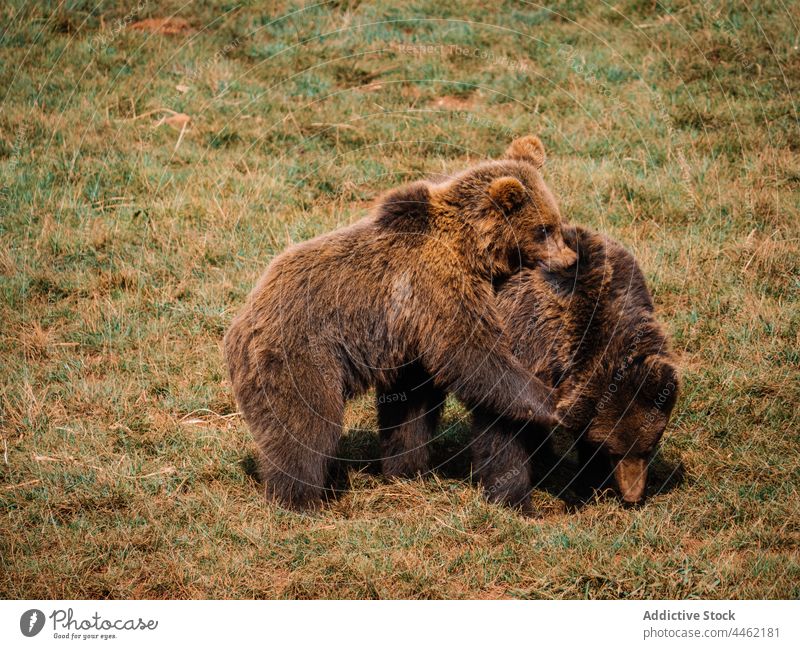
150 169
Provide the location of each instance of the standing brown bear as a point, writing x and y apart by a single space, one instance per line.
401 299
591 331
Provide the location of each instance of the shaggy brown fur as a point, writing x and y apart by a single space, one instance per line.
606 353
401 300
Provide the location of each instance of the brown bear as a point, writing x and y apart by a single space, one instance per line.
591 331
402 298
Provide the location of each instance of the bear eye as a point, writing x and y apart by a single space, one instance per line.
543 232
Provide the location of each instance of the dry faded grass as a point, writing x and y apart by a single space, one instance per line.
129 234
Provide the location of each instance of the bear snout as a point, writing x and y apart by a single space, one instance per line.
563 256
630 474
557 255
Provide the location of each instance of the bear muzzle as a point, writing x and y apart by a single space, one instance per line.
630 475
559 254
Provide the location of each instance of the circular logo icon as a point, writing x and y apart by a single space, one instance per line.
31 622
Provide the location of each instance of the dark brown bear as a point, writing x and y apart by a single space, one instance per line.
591 331
401 299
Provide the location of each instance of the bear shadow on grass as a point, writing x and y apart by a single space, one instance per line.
555 466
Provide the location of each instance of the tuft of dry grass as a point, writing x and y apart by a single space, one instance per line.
153 162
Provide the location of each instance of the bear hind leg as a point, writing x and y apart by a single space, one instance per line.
297 433
408 413
501 462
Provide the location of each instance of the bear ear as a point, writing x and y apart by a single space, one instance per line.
529 149
406 207
665 380
507 193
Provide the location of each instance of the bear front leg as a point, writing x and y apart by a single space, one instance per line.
472 357
594 469
489 376
408 413
501 462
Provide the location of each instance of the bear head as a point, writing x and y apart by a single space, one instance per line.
512 215
630 417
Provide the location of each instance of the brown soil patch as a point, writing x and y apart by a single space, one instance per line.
169 26
448 102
